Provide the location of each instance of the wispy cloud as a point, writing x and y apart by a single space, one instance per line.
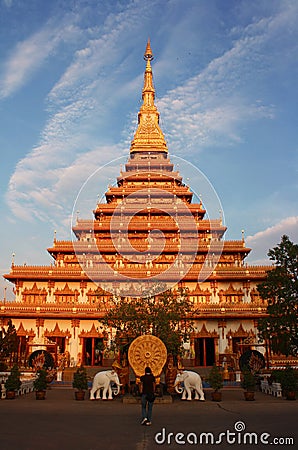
29 55
270 237
211 107
207 109
7 3
78 106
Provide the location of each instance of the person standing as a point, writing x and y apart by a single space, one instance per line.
147 390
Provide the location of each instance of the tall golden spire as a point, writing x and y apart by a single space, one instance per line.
148 137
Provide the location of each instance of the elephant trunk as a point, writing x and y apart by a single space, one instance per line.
118 388
178 388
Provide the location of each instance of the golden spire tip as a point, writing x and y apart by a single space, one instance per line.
148 56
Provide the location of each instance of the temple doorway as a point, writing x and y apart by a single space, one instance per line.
204 351
93 351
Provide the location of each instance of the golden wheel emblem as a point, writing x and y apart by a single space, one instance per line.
147 350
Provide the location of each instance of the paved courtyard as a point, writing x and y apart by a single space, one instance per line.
62 423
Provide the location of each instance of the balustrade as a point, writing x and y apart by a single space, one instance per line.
26 386
273 388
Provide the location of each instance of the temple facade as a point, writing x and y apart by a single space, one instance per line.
149 232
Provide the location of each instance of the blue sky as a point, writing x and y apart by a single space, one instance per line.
71 74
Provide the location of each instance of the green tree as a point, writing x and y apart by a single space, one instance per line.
165 315
280 289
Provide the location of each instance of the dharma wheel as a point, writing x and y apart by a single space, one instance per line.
147 350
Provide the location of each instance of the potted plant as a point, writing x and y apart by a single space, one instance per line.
249 384
216 383
289 383
40 384
13 382
80 382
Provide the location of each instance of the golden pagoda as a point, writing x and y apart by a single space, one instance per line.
148 232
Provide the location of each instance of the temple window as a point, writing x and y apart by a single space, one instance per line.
60 341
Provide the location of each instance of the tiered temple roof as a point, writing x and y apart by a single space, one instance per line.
150 195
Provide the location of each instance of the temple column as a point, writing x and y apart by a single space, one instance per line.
75 347
222 342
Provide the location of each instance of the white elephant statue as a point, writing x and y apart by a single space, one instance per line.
103 381
192 382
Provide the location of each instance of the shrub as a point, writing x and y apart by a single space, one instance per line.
40 383
80 380
13 382
215 378
289 381
248 381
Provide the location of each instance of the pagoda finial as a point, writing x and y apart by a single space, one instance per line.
148 93
148 55
12 259
148 137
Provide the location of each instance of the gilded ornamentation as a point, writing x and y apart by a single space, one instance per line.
147 350
148 136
